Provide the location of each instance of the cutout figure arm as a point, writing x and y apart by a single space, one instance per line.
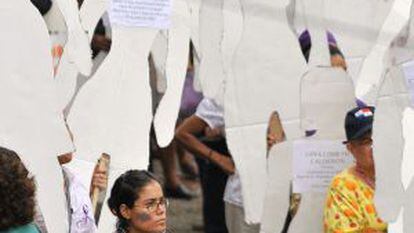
186 134
375 64
78 43
176 67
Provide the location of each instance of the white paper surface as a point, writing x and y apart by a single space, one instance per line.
67 77
54 19
315 18
194 6
112 113
388 145
408 210
31 123
159 52
375 63
407 169
176 68
278 181
397 226
309 218
141 13
354 66
409 78
327 94
211 73
316 162
402 48
77 46
279 166
356 24
259 86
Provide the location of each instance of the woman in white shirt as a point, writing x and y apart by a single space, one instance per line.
209 120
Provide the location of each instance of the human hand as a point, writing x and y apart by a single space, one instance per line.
99 178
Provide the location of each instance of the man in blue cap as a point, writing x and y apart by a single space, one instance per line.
349 206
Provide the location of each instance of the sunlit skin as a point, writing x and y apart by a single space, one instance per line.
65 158
361 149
338 61
140 218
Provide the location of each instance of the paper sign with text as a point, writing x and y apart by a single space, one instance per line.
141 13
316 162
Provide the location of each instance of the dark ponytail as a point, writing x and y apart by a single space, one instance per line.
126 191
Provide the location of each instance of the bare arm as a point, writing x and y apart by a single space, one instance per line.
186 135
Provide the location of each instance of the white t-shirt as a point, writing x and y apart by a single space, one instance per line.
212 113
80 206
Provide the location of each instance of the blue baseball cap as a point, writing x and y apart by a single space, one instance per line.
358 122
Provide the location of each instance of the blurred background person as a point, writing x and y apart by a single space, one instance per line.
201 134
349 206
17 195
179 166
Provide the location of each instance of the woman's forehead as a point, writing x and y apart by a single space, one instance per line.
152 190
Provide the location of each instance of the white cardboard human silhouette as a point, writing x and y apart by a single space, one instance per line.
392 178
211 73
375 63
77 45
176 68
278 183
267 66
393 164
67 76
277 189
32 124
326 95
112 112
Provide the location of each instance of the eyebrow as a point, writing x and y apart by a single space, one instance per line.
153 199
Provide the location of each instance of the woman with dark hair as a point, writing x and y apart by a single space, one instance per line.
17 195
138 201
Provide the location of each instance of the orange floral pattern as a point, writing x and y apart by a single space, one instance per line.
350 208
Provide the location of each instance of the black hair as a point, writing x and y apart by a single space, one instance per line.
17 192
126 191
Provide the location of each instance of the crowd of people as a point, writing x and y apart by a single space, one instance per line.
138 199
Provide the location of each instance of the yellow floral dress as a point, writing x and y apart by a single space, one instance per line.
349 206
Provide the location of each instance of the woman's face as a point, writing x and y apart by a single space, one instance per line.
148 215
